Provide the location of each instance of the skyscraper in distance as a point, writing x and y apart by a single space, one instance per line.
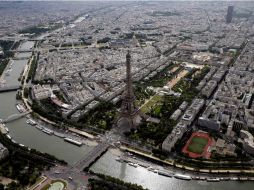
229 14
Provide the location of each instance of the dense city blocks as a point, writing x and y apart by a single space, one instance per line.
126 95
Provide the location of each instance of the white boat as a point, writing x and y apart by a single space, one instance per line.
21 145
181 176
39 127
213 179
224 178
126 160
155 171
119 159
132 164
61 135
78 143
129 154
31 122
47 131
19 108
143 165
22 107
6 129
164 173
8 136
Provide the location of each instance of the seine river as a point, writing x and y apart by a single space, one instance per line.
33 138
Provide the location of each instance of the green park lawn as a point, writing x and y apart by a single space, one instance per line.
151 103
197 145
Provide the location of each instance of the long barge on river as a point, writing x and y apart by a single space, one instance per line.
75 142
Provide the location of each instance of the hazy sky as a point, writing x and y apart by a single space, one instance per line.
133 0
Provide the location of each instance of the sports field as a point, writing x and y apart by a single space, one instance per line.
197 145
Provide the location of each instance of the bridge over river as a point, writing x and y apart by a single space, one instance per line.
92 156
14 117
9 88
76 171
21 50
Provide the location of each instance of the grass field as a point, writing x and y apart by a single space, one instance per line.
197 144
152 102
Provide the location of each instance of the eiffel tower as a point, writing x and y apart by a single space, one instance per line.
129 113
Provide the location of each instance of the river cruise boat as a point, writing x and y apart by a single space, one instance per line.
181 176
164 173
39 127
8 136
75 142
133 164
7 130
47 131
31 122
119 159
213 179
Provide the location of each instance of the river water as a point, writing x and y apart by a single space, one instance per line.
109 166
34 138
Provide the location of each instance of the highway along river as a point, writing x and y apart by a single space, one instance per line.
31 137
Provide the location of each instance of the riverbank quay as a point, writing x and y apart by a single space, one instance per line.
240 174
81 133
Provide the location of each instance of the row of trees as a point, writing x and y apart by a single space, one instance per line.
33 67
47 109
6 45
104 182
162 77
102 117
142 93
3 65
153 133
37 30
4 59
34 30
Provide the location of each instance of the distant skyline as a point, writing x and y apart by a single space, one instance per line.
143 0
